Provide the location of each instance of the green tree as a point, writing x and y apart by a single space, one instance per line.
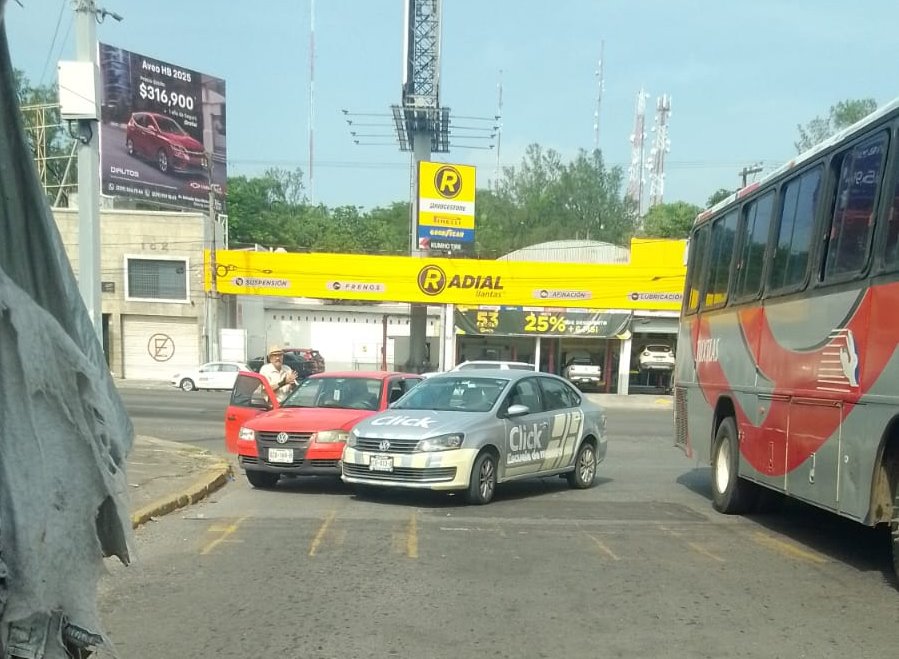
545 198
843 114
672 220
718 195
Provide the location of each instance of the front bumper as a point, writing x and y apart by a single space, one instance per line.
440 470
307 456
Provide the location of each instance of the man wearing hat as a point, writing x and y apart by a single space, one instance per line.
282 378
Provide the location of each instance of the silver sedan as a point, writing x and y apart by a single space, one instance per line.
470 431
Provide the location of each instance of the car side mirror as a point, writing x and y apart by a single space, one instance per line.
517 410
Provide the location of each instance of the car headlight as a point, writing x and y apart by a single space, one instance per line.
331 436
441 443
353 440
179 151
246 435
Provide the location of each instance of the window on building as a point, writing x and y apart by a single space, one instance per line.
157 279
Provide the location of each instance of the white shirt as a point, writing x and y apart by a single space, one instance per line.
278 379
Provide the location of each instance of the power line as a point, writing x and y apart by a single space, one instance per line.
62 8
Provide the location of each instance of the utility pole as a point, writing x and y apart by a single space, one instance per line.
212 298
748 171
89 175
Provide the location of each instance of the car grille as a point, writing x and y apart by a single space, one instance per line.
324 463
396 445
402 474
294 439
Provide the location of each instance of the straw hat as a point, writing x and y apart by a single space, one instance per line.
275 350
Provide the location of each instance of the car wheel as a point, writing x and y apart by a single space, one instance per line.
262 479
482 484
129 146
731 494
187 385
584 468
162 161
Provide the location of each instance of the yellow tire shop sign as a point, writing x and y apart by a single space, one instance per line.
654 279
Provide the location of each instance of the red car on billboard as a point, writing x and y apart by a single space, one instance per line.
305 434
161 139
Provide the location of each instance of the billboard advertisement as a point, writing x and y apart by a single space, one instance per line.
162 131
446 208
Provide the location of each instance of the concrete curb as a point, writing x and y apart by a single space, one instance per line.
213 479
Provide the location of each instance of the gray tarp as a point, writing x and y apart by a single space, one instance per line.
64 432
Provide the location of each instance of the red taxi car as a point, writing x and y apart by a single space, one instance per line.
305 433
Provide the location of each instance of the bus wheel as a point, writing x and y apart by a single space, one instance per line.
730 494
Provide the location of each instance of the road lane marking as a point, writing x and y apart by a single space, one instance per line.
695 546
319 536
705 552
787 548
412 537
602 547
225 531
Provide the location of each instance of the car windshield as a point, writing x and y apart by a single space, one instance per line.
658 348
167 125
345 393
456 394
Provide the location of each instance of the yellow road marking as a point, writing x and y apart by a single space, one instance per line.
787 548
603 547
319 536
705 552
226 531
699 549
412 537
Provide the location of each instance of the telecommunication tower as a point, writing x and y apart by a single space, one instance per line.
661 145
635 179
600 88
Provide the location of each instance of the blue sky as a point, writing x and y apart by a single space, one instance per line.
741 76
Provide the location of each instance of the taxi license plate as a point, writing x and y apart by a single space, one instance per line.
280 455
381 463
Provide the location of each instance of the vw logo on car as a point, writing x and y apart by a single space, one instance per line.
384 445
282 437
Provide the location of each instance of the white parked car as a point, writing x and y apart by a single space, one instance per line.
656 358
212 375
583 372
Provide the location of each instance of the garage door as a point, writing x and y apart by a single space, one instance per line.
156 347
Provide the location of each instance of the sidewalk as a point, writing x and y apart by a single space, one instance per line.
164 476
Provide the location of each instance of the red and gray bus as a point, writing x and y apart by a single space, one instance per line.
787 374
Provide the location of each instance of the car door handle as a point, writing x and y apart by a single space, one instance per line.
231 417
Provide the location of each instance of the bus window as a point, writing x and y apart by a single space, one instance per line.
800 201
891 255
696 272
753 243
847 244
724 231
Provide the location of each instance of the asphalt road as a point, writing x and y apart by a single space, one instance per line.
638 566
196 418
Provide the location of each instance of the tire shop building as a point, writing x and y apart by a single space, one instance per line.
588 299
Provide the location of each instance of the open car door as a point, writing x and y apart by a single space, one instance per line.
251 396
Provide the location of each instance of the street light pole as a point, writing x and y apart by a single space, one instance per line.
89 176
